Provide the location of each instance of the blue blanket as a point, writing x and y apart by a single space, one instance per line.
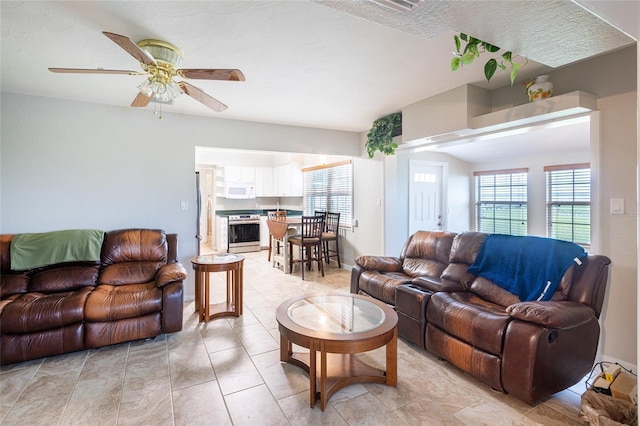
529 267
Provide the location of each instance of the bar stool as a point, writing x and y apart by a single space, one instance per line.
309 240
331 226
279 216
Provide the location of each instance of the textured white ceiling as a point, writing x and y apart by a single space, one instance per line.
305 63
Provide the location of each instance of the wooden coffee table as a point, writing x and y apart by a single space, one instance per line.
337 325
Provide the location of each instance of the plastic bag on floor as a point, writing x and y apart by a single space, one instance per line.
604 410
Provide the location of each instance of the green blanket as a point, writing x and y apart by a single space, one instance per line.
30 251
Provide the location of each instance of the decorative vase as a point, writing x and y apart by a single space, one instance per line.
541 88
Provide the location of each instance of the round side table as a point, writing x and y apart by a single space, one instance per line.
224 262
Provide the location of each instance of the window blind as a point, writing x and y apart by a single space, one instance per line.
330 188
569 202
501 201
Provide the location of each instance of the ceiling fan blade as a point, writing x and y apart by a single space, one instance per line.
202 97
211 74
131 48
94 71
141 100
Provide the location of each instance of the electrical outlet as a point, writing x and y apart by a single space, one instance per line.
184 205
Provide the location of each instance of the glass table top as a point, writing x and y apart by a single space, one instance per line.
218 258
339 314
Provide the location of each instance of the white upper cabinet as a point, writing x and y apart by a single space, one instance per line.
239 174
265 182
289 180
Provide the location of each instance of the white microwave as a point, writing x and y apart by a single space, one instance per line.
240 190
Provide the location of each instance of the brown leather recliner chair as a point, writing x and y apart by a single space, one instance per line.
134 292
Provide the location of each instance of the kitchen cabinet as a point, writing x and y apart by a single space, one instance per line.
239 174
264 232
289 180
265 182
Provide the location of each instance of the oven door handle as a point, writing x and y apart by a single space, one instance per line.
244 222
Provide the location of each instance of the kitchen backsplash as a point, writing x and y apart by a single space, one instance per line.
260 203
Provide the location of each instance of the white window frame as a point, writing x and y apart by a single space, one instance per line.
500 196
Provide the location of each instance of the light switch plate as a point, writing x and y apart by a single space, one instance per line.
616 206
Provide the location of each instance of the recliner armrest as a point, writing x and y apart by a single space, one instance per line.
552 314
170 273
380 263
434 284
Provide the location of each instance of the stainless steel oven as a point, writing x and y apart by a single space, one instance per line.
244 233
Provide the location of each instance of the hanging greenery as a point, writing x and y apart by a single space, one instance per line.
472 50
380 137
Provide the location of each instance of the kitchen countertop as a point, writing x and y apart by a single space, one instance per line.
261 212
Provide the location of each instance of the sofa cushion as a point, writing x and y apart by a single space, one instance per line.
427 253
13 283
129 273
493 293
490 291
109 303
64 277
464 249
382 286
470 319
379 263
134 245
34 312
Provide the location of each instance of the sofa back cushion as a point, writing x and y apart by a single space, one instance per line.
64 277
132 256
426 253
464 249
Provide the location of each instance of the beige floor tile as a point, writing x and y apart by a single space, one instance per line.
12 383
200 405
425 411
366 409
255 406
281 378
234 370
256 339
189 365
146 402
547 416
43 400
296 408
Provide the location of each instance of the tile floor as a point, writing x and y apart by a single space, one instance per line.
228 372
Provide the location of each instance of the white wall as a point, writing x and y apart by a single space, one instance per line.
67 164
458 195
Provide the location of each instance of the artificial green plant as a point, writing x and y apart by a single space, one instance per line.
472 50
380 137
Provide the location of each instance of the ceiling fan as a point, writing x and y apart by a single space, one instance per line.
160 61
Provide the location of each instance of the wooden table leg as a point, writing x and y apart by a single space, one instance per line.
392 359
312 373
323 377
198 307
240 298
206 297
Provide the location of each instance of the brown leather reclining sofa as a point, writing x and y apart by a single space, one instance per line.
135 291
527 349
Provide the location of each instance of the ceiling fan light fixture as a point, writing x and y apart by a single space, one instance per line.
145 88
162 51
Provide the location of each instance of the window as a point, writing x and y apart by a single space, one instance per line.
330 188
569 202
501 201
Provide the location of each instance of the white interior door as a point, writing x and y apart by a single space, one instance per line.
426 188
